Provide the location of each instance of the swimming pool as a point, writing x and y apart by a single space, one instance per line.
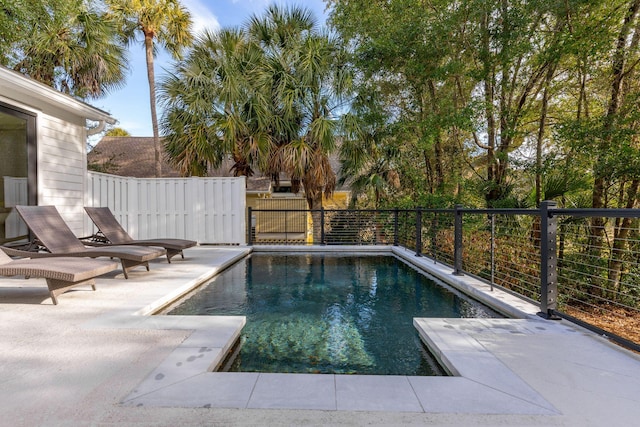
330 313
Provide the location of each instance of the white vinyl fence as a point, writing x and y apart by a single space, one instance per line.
208 210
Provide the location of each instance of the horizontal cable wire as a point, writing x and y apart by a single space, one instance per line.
596 275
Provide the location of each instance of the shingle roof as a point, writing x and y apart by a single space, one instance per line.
134 156
128 156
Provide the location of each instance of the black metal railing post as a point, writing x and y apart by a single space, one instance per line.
322 237
396 228
434 236
249 227
405 228
418 231
286 228
457 241
493 250
548 260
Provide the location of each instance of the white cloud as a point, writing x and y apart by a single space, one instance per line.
255 5
202 16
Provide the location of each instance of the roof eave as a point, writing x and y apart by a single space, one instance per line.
22 84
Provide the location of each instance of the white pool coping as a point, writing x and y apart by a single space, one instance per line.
185 378
99 358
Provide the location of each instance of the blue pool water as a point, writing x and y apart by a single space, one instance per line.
330 313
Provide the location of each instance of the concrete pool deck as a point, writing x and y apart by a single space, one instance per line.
98 359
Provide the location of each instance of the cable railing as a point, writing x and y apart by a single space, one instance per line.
599 270
503 248
578 264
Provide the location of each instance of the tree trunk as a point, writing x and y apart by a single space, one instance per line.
315 205
541 132
437 145
148 45
488 76
618 75
428 172
582 98
620 241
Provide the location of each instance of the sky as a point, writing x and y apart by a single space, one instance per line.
130 104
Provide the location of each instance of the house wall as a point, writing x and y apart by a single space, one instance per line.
269 227
339 200
62 169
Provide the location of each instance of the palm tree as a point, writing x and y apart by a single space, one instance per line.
212 108
163 22
376 177
304 71
368 152
266 94
70 46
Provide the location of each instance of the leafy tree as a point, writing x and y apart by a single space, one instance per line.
212 109
14 22
116 131
469 86
266 94
619 138
409 62
164 23
368 153
306 75
70 45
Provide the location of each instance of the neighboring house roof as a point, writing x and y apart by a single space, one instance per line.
134 156
127 156
259 184
12 81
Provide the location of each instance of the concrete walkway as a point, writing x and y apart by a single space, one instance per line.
98 359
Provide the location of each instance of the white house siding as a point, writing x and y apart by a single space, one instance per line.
61 160
62 167
61 138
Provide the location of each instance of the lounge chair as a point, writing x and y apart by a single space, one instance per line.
62 273
111 232
55 236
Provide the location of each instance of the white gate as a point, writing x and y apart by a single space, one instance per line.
209 210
